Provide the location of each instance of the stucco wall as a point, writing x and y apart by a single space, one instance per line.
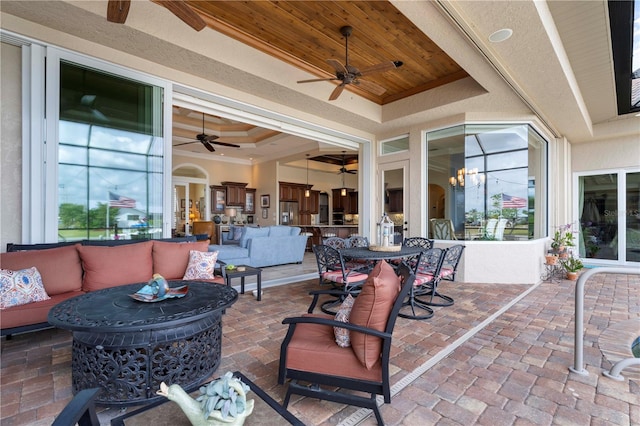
10 146
599 155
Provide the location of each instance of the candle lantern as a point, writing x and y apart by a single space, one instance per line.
385 231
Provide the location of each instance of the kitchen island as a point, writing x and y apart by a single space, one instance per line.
318 231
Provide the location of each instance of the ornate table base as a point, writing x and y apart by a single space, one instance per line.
130 366
127 348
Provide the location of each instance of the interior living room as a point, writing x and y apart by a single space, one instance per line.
512 121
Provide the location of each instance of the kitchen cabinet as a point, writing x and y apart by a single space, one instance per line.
352 208
288 192
250 201
342 203
310 204
236 193
395 200
218 199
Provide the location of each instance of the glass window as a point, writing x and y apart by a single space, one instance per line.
484 178
393 146
110 156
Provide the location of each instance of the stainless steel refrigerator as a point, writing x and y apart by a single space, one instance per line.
288 213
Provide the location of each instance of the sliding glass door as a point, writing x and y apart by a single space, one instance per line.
609 216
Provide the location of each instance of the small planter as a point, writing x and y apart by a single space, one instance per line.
551 259
572 276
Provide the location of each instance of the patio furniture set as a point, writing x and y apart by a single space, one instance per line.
107 322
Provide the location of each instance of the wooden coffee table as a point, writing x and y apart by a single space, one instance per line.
266 411
247 272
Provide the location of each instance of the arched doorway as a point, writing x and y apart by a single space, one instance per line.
190 197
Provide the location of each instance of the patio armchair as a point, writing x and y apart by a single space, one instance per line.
309 352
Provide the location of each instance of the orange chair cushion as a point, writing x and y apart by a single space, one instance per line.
336 276
106 267
170 259
371 309
313 348
59 267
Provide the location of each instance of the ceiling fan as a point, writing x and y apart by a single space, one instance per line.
117 11
343 169
208 140
348 74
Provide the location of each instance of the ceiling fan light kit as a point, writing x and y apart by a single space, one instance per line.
348 74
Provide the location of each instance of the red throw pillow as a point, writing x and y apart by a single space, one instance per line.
106 267
371 309
170 259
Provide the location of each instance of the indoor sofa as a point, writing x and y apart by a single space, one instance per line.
69 270
264 246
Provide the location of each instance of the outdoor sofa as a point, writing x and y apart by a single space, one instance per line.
71 269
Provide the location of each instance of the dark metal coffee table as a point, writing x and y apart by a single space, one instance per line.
247 272
127 347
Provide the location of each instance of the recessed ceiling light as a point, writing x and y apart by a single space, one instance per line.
501 35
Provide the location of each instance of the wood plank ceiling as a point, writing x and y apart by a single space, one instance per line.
307 33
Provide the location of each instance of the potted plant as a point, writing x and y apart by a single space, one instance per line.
221 402
572 265
562 238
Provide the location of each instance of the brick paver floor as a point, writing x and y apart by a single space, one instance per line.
498 356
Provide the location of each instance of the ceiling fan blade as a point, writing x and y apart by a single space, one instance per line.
371 87
208 146
318 79
183 11
208 138
336 92
232 145
117 10
382 67
185 143
337 65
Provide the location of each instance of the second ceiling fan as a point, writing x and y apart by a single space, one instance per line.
348 74
208 140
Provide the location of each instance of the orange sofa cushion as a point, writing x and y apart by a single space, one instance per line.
171 259
59 267
106 267
33 313
313 348
371 309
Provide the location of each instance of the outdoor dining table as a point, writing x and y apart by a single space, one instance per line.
372 255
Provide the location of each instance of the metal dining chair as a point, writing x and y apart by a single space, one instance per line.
451 262
428 276
335 242
427 273
332 270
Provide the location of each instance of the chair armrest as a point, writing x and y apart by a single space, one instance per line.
81 410
333 323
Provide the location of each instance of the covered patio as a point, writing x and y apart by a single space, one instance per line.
500 355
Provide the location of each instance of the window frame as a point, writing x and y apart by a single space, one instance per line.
41 100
